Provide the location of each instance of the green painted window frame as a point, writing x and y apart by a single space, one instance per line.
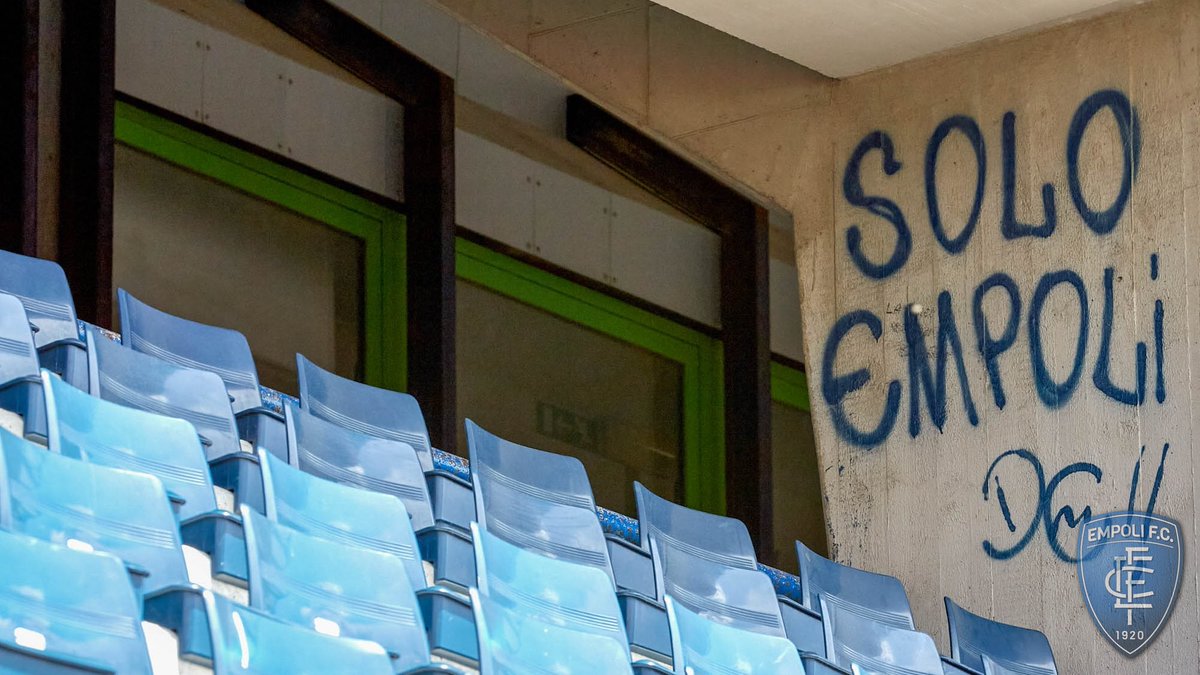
381 230
698 354
789 386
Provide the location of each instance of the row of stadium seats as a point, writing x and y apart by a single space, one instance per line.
177 520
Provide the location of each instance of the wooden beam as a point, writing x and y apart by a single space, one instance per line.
745 296
18 125
85 227
355 47
428 165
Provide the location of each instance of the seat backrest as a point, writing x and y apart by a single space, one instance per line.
70 605
556 592
537 500
882 596
192 345
854 638
703 646
511 640
18 356
249 641
41 286
334 453
1013 648
91 507
137 380
719 538
341 513
360 407
93 430
733 596
334 589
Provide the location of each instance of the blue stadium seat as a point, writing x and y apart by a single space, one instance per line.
537 500
512 641
93 430
883 596
855 639
341 513
723 542
543 502
66 611
1016 649
137 380
391 415
733 596
248 641
702 647
334 453
92 507
20 385
42 288
339 590
991 667
220 350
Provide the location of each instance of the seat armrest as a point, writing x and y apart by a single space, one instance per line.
450 624
802 626
264 429
182 610
633 568
241 474
952 667
818 665
219 534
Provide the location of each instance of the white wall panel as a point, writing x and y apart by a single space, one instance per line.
341 129
424 30
570 223
668 261
786 338
497 78
244 87
160 56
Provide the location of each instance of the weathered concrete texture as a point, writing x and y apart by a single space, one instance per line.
932 496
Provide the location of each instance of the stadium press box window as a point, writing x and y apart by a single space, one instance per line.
542 381
223 236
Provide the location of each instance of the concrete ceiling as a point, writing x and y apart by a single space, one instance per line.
840 38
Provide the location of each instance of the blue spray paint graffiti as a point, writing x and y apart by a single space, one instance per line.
1055 380
1044 516
836 388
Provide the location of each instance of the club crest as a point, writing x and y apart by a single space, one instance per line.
1129 567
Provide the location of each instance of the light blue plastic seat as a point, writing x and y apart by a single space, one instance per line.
855 639
512 642
66 611
335 589
704 647
732 596
220 350
93 430
992 667
537 500
41 286
392 467
386 414
1013 648
249 641
882 596
721 539
341 513
130 378
92 507
20 384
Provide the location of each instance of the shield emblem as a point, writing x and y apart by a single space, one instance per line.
1129 567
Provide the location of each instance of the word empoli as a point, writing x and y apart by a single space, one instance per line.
928 381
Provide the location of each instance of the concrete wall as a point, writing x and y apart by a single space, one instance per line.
1104 134
1060 201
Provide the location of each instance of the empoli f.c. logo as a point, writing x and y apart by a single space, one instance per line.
1129 567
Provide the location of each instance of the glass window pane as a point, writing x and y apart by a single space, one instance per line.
542 381
206 251
796 481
